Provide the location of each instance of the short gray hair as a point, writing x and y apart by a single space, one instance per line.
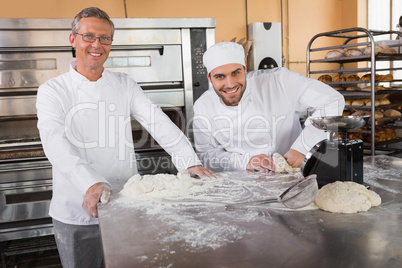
90 12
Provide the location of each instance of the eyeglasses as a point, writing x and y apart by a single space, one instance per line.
90 38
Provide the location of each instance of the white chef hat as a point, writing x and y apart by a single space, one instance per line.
223 53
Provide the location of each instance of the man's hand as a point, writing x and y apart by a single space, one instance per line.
294 158
261 162
94 194
201 171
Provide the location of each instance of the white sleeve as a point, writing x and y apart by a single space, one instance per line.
323 100
164 131
62 154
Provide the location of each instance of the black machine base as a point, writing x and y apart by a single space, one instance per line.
335 161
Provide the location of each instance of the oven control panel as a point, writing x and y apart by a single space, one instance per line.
198 47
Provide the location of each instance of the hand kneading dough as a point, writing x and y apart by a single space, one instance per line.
282 166
346 197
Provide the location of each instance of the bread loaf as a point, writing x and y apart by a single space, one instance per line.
339 78
392 112
333 54
376 103
384 101
339 88
378 115
353 89
355 136
387 78
384 49
379 88
348 102
325 78
382 134
352 52
357 103
367 77
361 113
353 77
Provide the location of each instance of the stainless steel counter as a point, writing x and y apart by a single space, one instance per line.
196 231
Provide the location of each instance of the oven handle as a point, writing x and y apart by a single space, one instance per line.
120 48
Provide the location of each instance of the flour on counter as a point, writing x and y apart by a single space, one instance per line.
173 199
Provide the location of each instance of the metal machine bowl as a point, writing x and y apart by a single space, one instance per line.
339 123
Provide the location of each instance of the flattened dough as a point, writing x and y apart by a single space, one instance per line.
158 184
282 166
346 197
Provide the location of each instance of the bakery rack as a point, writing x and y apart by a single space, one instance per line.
357 38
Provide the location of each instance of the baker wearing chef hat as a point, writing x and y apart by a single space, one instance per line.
245 118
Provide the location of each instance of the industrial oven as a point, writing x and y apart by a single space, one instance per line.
163 55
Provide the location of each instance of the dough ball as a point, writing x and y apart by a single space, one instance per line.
282 166
346 197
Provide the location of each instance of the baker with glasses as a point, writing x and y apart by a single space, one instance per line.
77 112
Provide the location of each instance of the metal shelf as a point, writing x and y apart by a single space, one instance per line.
351 38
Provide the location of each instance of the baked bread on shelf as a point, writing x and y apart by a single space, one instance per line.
379 49
357 103
378 88
392 113
377 114
339 78
384 101
333 54
367 77
353 89
339 88
325 78
386 78
353 52
353 77
376 103
361 113
382 134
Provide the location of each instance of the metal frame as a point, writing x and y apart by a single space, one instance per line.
361 33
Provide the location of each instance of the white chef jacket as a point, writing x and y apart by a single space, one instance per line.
265 121
85 129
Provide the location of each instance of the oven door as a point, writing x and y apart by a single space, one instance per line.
25 195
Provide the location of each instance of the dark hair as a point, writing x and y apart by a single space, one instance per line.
90 12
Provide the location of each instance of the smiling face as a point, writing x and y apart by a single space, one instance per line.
91 56
229 82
